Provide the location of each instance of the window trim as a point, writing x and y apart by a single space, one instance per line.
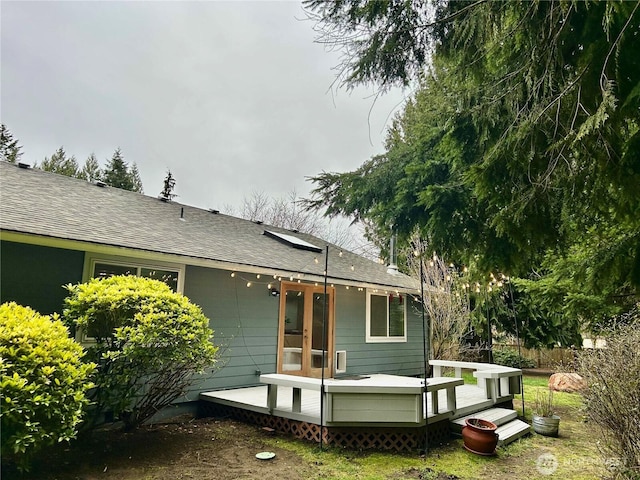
387 339
92 259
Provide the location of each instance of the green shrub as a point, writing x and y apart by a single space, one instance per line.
510 358
612 398
149 343
44 382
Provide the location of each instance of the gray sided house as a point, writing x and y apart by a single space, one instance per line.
261 286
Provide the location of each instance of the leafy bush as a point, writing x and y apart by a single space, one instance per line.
510 358
44 381
149 341
613 395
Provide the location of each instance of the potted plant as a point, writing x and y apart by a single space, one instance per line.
545 421
479 436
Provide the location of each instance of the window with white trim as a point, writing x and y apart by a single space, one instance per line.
386 317
105 269
102 266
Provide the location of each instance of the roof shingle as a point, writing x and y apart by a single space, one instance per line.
50 205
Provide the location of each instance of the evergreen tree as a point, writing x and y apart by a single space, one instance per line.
61 164
10 151
519 151
169 185
91 171
118 174
135 179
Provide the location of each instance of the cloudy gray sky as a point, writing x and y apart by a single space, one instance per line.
232 97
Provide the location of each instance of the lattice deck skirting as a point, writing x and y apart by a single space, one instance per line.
399 439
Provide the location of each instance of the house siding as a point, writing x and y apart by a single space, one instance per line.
245 324
34 276
402 358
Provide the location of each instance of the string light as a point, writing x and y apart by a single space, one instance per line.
340 254
353 268
316 260
233 274
269 286
248 284
258 275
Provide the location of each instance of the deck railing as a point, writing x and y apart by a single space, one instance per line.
497 381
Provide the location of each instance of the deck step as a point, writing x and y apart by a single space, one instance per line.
510 428
499 416
510 432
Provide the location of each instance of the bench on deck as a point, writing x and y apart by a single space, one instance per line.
497 381
385 398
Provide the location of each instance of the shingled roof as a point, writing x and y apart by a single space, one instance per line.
45 204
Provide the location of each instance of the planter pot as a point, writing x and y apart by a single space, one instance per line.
480 436
547 426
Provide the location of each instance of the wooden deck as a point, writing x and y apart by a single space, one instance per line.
375 411
468 398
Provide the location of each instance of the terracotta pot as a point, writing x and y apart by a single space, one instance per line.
480 436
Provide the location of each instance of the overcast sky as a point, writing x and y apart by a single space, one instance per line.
232 97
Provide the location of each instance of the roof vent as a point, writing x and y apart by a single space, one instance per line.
100 183
163 199
258 222
214 211
295 230
23 165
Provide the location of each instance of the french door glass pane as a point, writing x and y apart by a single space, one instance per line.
319 341
293 330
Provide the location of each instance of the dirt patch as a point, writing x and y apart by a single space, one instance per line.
190 449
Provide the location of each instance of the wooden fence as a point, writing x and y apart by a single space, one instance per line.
544 358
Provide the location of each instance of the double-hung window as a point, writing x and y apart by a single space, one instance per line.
386 317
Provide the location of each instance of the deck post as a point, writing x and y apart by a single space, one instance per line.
297 400
451 399
272 397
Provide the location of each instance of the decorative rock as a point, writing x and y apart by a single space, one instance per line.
567 382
